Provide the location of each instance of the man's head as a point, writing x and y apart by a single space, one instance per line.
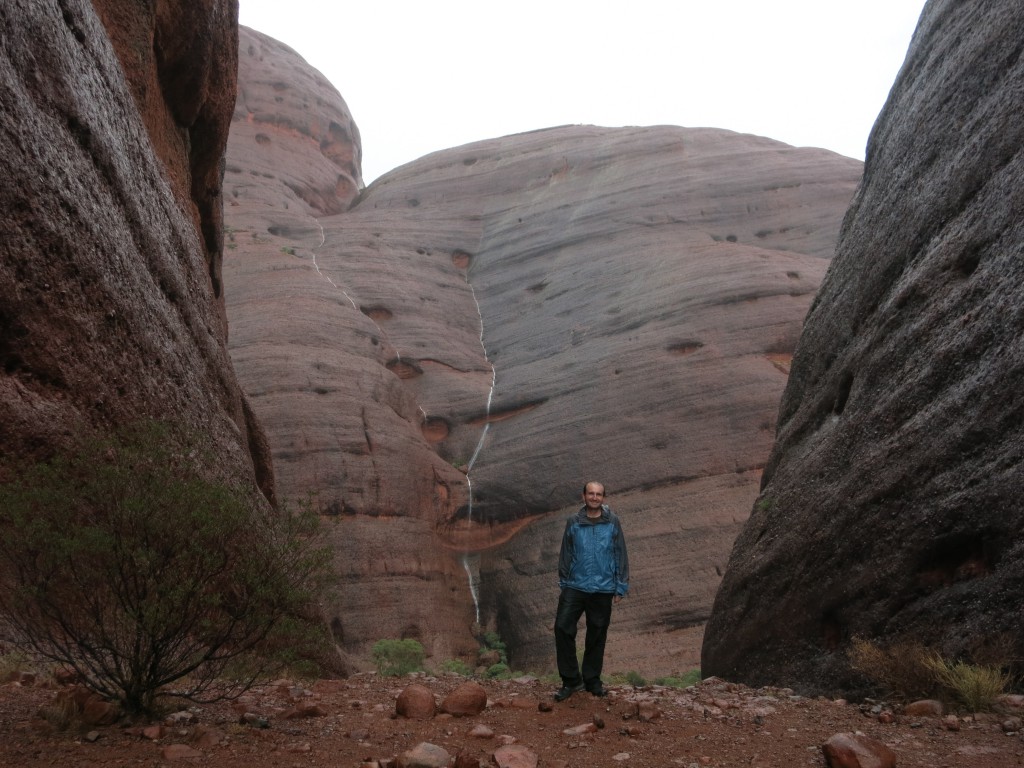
593 495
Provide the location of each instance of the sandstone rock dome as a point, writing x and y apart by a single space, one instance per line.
446 356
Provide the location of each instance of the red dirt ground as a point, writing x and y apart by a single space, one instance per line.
711 724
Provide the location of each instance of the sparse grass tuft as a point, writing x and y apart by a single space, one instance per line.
901 668
62 713
909 671
635 679
974 685
685 681
13 662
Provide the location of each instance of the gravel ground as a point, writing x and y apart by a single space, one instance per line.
352 722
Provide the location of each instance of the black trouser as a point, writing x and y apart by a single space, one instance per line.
571 605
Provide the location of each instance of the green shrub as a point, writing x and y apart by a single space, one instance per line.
498 670
398 657
457 667
119 560
977 686
635 679
685 681
492 641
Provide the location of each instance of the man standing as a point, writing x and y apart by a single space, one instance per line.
593 572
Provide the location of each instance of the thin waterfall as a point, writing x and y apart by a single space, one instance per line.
473 582
316 266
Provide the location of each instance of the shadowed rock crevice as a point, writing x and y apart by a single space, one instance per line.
435 429
685 347
404 369
504 412
377 313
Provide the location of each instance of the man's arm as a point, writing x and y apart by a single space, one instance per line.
621 562
565 554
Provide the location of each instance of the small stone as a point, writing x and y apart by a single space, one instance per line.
22 678
481 731
598 720
1012 700
1011 725
924 708
621 757
468 699
646 711
416 702
423 755
951 723
515 756
855 750
304 709
579 730
545 706
92 736
182 717
253 720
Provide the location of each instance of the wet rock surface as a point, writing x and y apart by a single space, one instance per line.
110 285
891 504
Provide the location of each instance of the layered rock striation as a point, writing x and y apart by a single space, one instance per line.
446 360
891 505
114 124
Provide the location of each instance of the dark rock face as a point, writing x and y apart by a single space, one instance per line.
447 361
109 273
891 505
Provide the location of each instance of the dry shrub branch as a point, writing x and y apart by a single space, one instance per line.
119 559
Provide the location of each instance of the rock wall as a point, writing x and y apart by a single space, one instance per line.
446 360
891 505
113 128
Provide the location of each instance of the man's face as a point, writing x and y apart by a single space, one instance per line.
593 497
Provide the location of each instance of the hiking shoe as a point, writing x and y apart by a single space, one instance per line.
566 691
600 690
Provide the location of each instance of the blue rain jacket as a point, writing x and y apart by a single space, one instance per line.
593 555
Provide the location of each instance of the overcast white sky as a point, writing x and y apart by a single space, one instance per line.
424 76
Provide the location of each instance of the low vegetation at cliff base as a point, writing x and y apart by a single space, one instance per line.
121 561
976 686
398 657
910 670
